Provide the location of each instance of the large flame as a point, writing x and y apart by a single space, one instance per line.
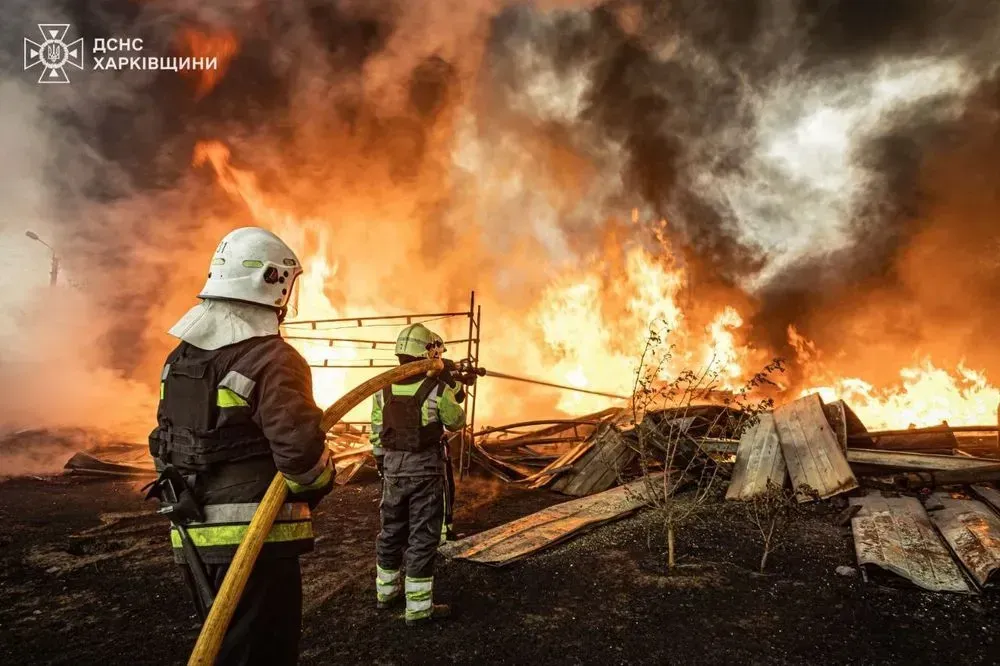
924 395
589 324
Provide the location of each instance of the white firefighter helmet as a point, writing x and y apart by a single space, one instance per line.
415 340
252 265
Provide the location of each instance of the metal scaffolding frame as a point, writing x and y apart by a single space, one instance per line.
474 315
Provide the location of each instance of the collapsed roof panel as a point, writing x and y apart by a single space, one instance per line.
972 530
895 534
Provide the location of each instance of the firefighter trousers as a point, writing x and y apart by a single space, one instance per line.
268 620
412 513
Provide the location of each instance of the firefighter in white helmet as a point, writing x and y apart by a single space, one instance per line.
408 426
236 407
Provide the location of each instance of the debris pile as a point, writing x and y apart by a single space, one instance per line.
580 457
948 542
921 503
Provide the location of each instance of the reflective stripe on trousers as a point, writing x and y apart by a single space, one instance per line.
386 583
419 598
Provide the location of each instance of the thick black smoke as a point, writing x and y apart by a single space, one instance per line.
691 90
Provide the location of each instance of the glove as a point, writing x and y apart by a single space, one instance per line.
313 497
460 395
448 374
380 466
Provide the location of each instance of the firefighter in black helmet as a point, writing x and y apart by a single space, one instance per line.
408 424
236 407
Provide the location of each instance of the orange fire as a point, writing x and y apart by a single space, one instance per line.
219 45
585 329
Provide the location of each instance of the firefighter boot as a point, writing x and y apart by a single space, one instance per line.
420 607
438 612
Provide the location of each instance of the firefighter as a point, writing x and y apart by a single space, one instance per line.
438 350
408 424
236 408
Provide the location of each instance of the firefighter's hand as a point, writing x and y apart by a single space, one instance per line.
313 496
460 395
448 374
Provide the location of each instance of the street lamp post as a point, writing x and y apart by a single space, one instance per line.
54 269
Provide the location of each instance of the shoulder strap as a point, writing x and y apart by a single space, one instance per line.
386 395
425 389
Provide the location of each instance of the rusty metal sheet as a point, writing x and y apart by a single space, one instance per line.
512 541
912 461
895 534
758 460
973 532
812 452
989 495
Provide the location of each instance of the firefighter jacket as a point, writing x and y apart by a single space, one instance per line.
230 419
440 410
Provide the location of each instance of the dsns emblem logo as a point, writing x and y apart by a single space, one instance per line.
53 53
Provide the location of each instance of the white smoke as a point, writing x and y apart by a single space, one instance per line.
804 185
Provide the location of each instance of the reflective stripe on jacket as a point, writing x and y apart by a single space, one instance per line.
225 525
265 386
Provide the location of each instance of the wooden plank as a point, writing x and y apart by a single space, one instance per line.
972 531
611 472
895 534
758 460
908 460
559 466
597 470
508 543
346 471
989 495
837 418
812 454
957 477
919 441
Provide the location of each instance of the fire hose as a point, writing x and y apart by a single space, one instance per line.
500 375
206 649
465 372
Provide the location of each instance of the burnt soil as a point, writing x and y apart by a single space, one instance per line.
86 578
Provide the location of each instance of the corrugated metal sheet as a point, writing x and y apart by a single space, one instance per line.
895 534
758 459
812 452
508 543
973 532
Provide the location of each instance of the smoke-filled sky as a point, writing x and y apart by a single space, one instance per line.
828 163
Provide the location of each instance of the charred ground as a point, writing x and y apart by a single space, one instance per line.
87 578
